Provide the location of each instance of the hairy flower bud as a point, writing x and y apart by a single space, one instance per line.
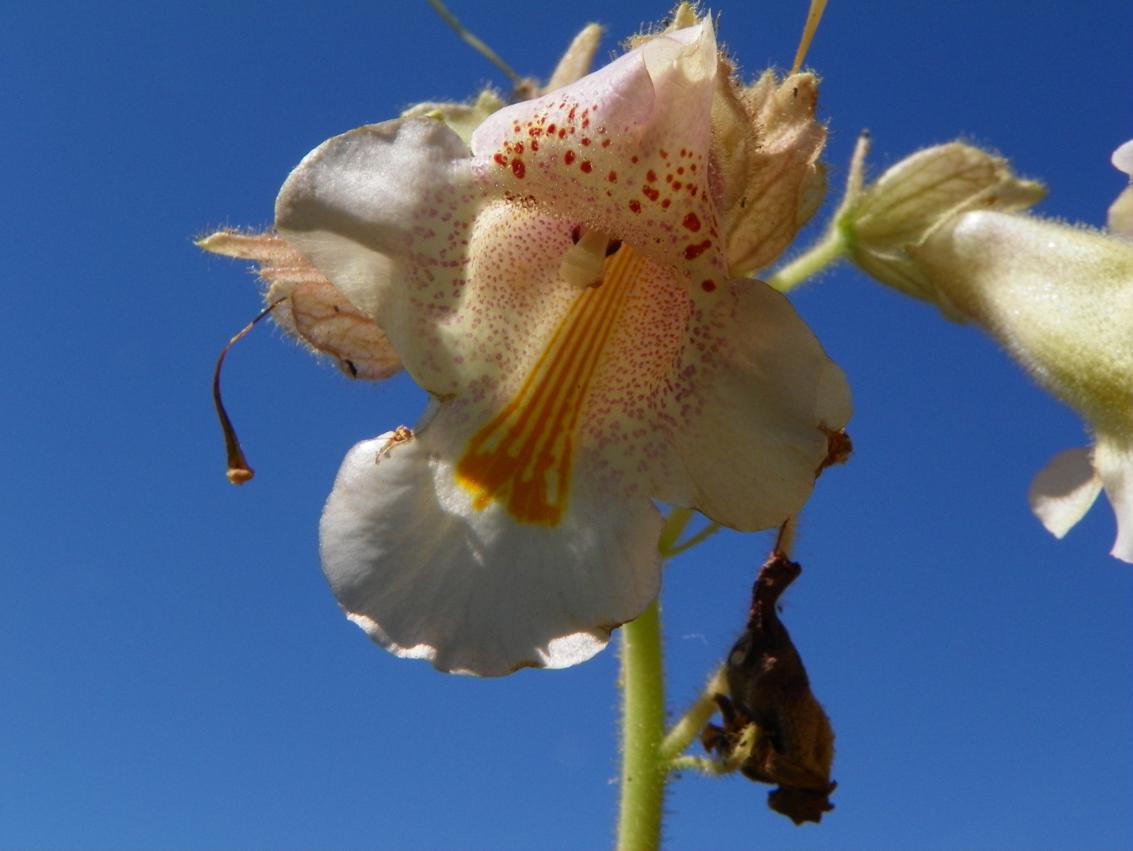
917 196
1060 300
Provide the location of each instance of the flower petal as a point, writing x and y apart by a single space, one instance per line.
384 212
1122 158
1064 490
429 576
1113 459
726 410
1120 219
625 151
331 324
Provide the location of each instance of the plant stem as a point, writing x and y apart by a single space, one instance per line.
689 726
812 261
701 536
643 727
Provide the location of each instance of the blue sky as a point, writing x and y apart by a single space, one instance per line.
175 672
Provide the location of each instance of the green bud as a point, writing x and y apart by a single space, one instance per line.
917 196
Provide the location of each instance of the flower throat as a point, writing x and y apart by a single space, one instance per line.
523 457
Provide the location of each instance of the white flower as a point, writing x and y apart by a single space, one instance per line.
570 292
1060 299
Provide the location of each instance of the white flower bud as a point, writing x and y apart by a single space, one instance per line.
916 196
1060 300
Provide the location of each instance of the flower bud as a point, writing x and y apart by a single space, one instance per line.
1060 300
461 118
916 196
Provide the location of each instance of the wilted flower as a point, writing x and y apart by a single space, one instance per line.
570 293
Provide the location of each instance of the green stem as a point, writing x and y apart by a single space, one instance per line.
643 727
689 726
703 535
702 764
812 261
675 524
835 244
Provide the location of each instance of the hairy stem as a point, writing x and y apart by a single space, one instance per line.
826 251
643 727
684 732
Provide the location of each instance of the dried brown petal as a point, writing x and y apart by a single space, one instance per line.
315 311
766 146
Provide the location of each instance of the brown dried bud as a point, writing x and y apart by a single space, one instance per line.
793 743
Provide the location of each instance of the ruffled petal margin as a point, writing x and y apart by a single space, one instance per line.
428 576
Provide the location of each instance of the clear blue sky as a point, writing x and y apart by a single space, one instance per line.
173 669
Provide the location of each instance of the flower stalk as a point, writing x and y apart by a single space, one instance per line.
828 250
643 729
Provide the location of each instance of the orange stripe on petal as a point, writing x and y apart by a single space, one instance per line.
523 458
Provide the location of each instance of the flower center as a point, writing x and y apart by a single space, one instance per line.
522 458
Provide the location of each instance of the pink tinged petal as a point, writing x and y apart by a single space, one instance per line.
313 310
385 212
1064 490
1113 459
767 399
625 151
429 576
726 410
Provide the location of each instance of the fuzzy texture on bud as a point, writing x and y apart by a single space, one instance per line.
916 196
1060 300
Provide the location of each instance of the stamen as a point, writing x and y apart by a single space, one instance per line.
582 264
813 17
238 470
